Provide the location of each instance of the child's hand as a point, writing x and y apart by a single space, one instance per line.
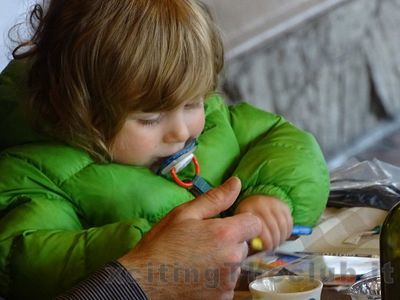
276 217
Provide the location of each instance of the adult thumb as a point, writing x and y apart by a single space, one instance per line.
214 201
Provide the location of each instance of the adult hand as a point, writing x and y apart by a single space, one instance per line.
191 255
275 216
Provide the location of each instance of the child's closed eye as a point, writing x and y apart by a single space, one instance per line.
149 122
194 104
146 119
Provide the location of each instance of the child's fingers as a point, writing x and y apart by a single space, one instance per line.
242 227
284 222
289 225
276 229
267 239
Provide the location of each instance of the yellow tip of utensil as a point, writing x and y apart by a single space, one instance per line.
256 244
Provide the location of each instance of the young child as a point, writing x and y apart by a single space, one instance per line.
100 95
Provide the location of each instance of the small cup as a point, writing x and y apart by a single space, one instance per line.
289 287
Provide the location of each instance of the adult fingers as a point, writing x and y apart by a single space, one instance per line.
213 202
230 270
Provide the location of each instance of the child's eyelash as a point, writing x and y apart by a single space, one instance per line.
149 122
194 105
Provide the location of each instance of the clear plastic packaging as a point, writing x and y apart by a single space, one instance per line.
368 183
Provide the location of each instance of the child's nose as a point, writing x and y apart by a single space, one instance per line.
177 133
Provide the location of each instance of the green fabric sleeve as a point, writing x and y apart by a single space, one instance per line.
48 251
45 246
280 160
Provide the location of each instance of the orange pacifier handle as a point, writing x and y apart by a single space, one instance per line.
185 184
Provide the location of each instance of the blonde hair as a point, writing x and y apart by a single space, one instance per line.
95 61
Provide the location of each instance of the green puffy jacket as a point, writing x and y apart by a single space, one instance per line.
62 215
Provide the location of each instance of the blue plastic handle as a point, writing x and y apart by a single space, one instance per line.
301 230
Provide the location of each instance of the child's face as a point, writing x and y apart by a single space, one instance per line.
146 138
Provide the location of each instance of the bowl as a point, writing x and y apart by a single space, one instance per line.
287 287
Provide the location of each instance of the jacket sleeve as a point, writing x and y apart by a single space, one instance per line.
105 284
280 160
44 248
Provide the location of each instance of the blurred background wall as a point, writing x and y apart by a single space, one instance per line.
331 67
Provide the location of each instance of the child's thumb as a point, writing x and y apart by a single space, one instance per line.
214 201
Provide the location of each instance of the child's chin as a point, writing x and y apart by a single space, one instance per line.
156 164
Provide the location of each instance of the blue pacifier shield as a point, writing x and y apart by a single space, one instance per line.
181 158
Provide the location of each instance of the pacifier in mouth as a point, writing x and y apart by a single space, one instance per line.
178 161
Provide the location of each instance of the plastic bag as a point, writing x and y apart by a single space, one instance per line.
368 183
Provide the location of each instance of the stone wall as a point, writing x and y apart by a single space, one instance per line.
242 21
336 75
